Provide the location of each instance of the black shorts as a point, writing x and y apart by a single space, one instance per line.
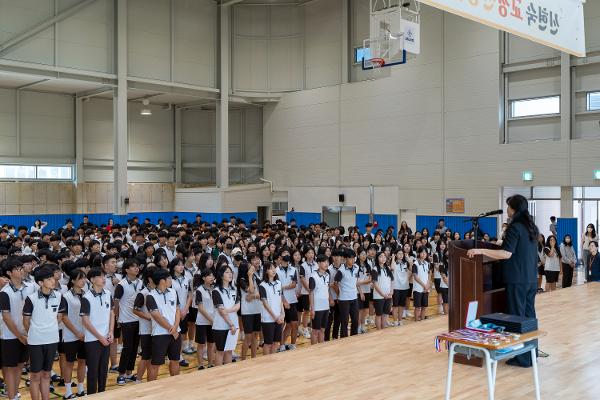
320 319
165 345
382 306
541 269
291 314
117 332
13 352
204 333
251 323
303 303
436 283
363 304
410 290
420 299
444 293
146 345
552 276
60 342
183 327
74 350
220 337
271 332
192 314
41 357
399 297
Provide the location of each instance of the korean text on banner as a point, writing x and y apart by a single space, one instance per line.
554 23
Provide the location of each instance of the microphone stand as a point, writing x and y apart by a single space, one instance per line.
475 226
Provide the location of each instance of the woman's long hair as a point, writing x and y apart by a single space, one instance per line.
521 207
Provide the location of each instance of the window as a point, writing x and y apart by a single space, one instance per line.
532 107
593 101
33 172
360 53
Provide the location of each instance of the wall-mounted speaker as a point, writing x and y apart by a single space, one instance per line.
341 197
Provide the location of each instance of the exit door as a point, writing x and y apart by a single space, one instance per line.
339 216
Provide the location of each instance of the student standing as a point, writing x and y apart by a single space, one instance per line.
401 267
14 336
334 310
346 280
42 312
125 293
444 286
421 284
364 280
588 236
320 300
183 287
109 266
382 290
145 322
553 263
98 319
288 276
204 318
227 304
73 334
250 305
272 314
569 260
163 305
308 267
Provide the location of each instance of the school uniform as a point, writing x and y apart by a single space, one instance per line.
42 336
204 332
383 276
189 274
443 285
287 275
125 293
319 286
364 273
97 306
163 343
305 271
250 309
420 270
334 311
73 347
223 297
346 278
183 287
111 287
437 278
270 292
12 300
171 253
401 284
145 326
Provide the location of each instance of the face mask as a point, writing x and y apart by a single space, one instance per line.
11 231
229 246
286 258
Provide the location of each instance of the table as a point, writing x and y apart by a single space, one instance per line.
492 354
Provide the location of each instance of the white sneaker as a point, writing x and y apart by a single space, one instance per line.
306 334
291 347
235 355
204 355
440 309
119 348
282 348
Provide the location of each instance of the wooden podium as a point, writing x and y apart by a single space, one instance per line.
478 278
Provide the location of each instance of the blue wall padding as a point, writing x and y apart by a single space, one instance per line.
56 221
458 224
568 226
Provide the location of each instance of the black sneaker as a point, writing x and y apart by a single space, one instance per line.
56 378
184 363
71 396
81 394
200 368
121 380
131 378
61 383
51 387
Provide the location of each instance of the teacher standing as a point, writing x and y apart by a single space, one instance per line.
519 272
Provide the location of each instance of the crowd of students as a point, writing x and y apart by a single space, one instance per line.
163 290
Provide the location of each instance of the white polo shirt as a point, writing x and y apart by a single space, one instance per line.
166 303
183 288
401 276
97 306
271 292
140 305
43 310
74 309
306 272
125 293
286 276
319 285
421 270
249 307
346 279
204 296
383 277
226 298
12 300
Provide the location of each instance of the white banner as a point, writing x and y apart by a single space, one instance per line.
554 23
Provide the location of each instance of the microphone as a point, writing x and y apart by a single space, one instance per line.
495 212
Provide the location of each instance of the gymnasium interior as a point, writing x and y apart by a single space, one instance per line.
271 114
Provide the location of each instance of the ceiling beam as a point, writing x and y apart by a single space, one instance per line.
40 27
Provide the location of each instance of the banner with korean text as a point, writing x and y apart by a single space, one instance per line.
555 23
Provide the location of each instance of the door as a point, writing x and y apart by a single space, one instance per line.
262 215
410 216
347 217
331 216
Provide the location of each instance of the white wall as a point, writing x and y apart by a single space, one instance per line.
214 200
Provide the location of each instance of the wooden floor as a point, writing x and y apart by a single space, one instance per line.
401 363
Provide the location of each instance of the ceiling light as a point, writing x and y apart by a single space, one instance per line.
146 109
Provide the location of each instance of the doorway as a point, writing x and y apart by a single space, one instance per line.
339 216
262 215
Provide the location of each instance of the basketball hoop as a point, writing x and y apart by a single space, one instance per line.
377 62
